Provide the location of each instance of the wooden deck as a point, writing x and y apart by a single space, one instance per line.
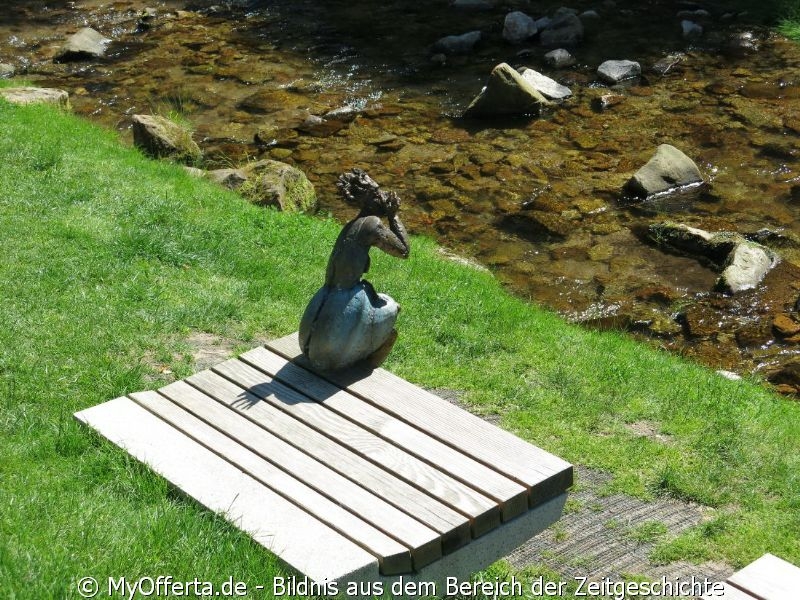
357 476
768 578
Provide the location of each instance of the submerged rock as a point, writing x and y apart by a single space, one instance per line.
518 27
559 58
273 183
743 263
691 30
35 95
457 44
86 44
668 169
159 137
506 93
565 29
472 5
549 88
614 71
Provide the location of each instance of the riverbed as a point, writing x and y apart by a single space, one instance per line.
538 201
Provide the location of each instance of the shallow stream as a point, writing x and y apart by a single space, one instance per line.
537 201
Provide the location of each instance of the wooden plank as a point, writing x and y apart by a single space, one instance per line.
512 497
768 578
729 593
544 474
453 527
425 544
301 540
483 512
393 557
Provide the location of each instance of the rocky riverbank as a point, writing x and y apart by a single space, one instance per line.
543 201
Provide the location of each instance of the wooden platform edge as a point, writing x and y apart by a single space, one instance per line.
287 531
767 578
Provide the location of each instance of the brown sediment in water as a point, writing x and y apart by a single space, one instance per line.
538 201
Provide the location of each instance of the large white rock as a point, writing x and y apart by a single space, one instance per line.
518 27
506 93
745 268
614 71
549 88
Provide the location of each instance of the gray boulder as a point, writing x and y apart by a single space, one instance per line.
559 58
273 183
457 44
6 70
518 27
86 44
614 71
668 169
159 137
35 95
746 267
563 30
506 93
549 88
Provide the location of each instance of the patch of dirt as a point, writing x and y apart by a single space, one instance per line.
209 349
648 429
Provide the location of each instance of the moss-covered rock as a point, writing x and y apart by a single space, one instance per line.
159 137
273 183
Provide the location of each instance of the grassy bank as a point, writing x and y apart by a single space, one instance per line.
110 262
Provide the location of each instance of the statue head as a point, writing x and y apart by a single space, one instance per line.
357 187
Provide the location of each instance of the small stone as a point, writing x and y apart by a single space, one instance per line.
614 71
666 64
86 44
691 30
6 70
559 58
785 326
457 44
589 15
518 27
607 101
729 375
668 169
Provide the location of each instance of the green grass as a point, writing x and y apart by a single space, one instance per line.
111 261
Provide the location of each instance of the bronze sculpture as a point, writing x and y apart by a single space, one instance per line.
347 321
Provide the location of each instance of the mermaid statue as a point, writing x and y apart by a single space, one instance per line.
347 321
